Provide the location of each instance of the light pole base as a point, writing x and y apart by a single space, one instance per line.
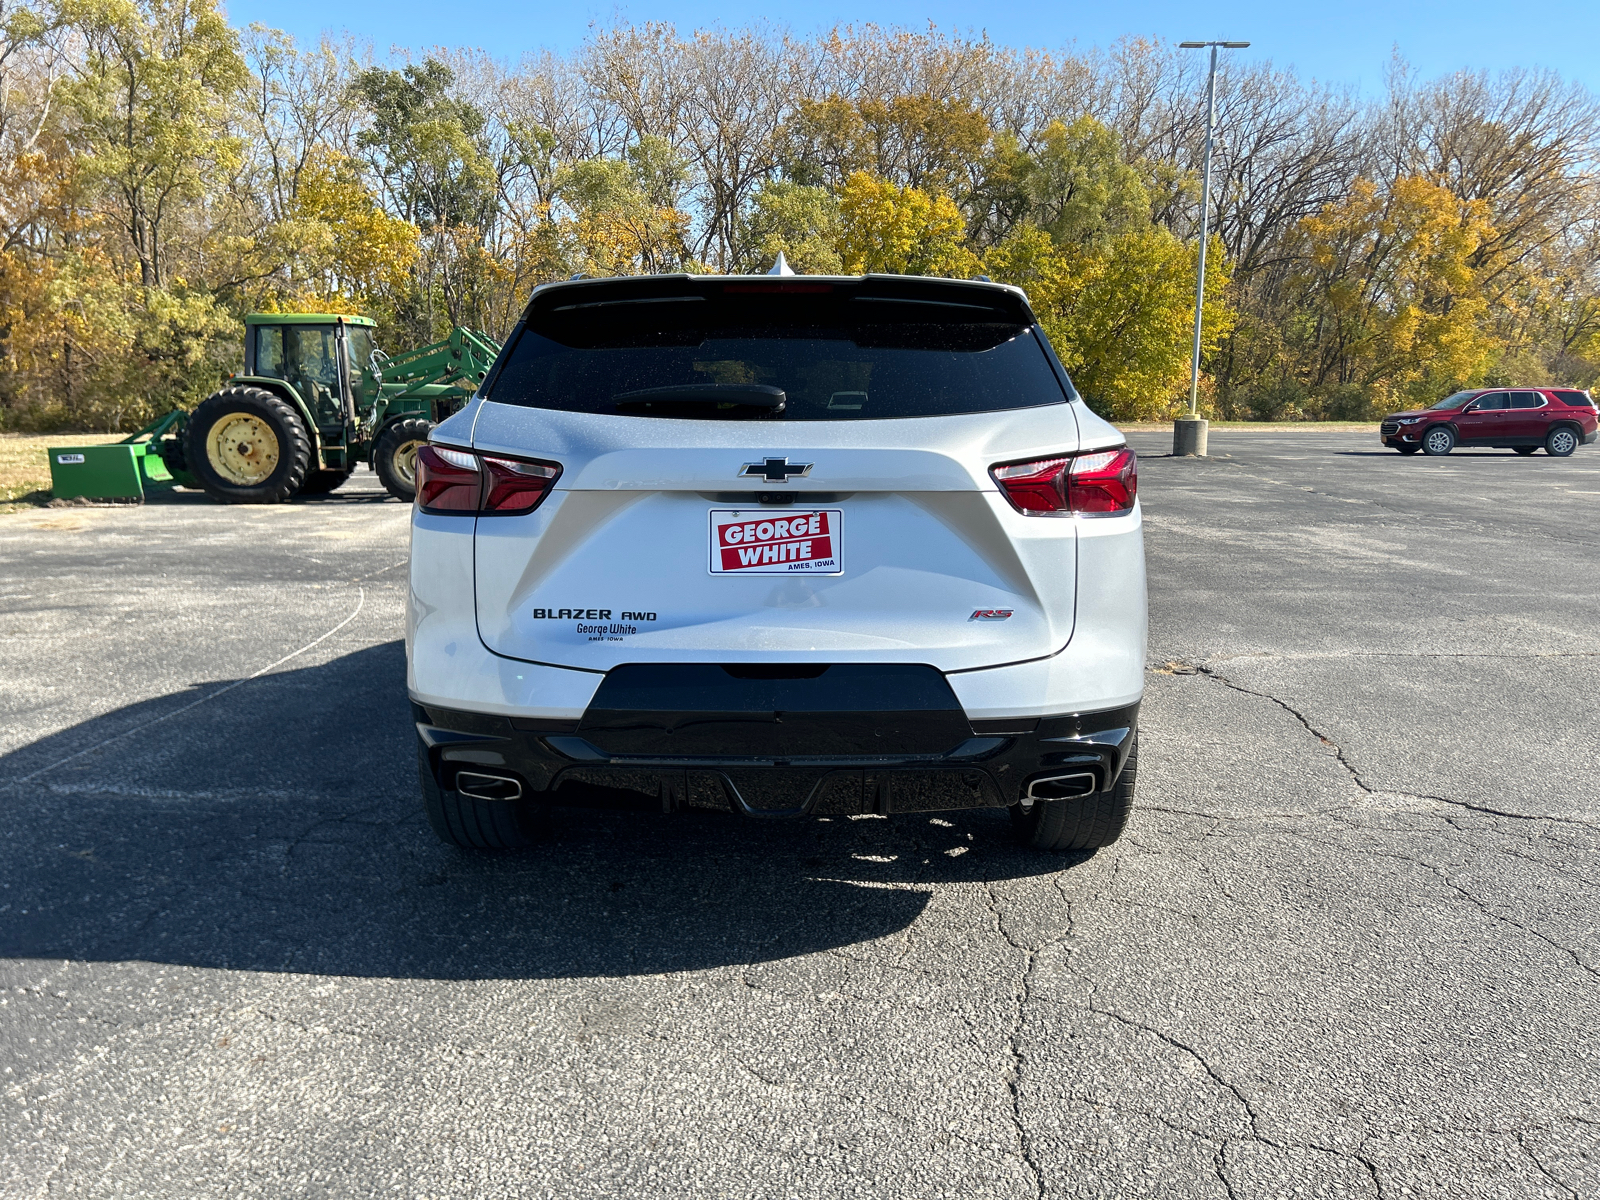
1189 437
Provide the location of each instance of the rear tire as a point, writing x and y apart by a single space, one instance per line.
1561 441
1524 450
1087 823
468 822
1441 439
394 458
246 445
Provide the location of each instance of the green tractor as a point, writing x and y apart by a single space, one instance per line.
317 397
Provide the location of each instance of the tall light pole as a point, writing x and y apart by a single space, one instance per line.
1189 434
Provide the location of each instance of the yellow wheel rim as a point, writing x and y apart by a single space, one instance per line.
405 462
242 449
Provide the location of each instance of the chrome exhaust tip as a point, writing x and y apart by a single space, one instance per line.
1060 787
488 787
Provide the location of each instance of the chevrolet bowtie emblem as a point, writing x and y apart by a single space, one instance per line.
776 470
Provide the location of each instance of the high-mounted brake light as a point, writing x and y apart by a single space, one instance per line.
778 287
453 482
1101 483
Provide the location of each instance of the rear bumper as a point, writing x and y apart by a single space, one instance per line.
991 764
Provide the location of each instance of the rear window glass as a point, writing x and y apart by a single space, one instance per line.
834 362
1575 399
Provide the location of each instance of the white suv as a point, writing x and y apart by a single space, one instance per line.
777 546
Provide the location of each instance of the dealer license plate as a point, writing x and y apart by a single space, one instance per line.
782 542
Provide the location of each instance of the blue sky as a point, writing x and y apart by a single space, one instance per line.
1347 41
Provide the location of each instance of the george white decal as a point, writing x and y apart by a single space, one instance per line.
776 542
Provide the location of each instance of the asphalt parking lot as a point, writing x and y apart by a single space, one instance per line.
1348 946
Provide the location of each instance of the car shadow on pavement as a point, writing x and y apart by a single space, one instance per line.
275 826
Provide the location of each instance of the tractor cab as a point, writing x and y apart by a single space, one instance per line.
325 359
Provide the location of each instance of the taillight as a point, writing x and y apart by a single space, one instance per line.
1100 483
1035 487
458 482
448 481
1104 482
517 487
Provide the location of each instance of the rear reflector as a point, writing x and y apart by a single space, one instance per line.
460 483
1101 483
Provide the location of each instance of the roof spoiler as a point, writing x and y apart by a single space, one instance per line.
979 300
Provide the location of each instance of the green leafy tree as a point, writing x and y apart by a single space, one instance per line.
626 221
915 140
1120 316
1081 192
800 221
425 146
349 251
152 102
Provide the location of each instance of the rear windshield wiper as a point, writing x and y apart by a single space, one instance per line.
748 395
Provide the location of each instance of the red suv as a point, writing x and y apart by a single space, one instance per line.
1520 419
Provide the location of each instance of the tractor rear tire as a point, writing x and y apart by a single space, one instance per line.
394 458
248 446
320 483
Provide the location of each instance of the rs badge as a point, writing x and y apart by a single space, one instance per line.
990 614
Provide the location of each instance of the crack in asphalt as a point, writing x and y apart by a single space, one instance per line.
1480 903
1220 1160
1338 752
1023 994
1329 655
1214 1075
1522 1143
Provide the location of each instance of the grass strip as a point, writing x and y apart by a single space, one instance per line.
25 465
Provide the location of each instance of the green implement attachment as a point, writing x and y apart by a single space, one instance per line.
463 359
119 471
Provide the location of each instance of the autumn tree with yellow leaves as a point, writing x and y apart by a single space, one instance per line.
162 173
1392 299
900 230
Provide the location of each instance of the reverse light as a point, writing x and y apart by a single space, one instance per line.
452 482
1101 483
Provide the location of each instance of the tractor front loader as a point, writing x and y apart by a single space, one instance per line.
315 398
